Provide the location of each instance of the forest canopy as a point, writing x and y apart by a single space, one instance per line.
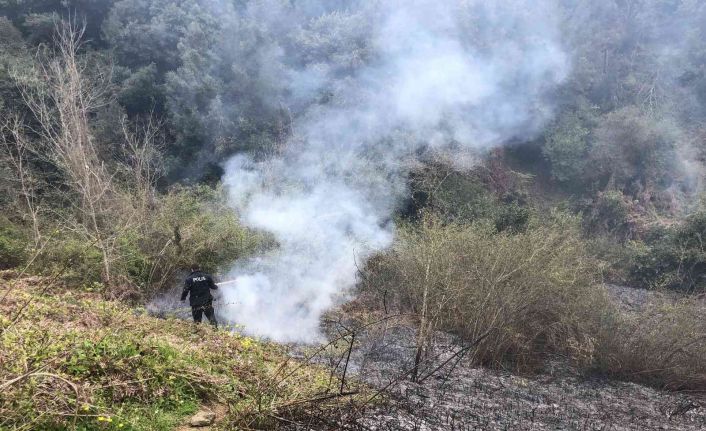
202 81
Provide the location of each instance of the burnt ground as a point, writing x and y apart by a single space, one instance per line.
458 396
462 397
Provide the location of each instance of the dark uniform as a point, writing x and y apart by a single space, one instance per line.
198 287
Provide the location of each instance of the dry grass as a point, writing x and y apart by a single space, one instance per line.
663 345
536 292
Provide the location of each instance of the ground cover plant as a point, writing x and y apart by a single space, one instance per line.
71 360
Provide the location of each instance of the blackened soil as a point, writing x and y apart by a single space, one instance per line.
462 397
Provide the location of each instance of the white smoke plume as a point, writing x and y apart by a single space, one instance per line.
438 75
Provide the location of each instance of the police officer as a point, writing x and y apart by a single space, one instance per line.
198 285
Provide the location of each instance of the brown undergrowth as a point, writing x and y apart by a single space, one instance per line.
516 297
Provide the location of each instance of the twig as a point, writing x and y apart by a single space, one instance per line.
317 399
345 367
324 347
411 370
71 384
463 350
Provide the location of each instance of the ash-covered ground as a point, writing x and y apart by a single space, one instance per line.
460 397
457 396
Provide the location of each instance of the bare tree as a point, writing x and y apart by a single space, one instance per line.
143 159
62 106
17 148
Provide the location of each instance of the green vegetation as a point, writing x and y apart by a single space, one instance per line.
493 194
672 256
522 296
190 224
115 116
99 220
13 244
566 148
75 361
171 103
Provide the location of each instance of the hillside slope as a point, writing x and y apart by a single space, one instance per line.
70 360
454 395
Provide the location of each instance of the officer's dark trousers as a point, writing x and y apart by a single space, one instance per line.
207 309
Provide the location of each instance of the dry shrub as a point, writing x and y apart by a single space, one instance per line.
663 345
534 291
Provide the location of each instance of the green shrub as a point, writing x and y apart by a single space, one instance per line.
566 148
192 225
133 260
185 226
13 244
672 256
634 150
463 197
511 217
609 213
665 256
77 261
618 257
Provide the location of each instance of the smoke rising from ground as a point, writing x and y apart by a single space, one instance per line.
462 74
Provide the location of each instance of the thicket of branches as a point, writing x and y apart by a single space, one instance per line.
517 297
91 204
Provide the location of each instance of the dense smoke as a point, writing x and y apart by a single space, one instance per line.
458 75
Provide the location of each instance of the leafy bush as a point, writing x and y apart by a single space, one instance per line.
511 216
186 226
134 261
609 213
655 256
672 256
634 150
534 291
211 233
140 94
192 225
566 148
77 261
13 244
465 197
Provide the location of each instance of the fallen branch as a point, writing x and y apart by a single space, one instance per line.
463 350
317 399
71 384
411 370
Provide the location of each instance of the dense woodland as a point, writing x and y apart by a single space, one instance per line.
116 118
175 87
